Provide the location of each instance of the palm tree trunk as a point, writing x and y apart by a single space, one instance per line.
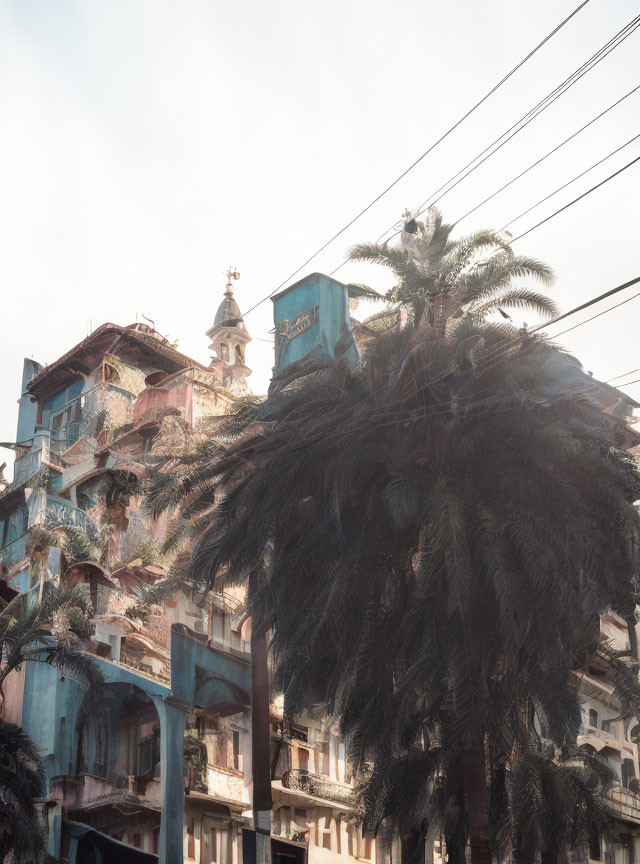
476 795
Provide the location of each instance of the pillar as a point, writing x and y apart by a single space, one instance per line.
172 722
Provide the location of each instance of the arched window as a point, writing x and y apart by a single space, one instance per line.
593 718
224 352
239 354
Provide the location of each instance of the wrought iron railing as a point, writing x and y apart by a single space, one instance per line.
319 787
26 467
61 513
15 551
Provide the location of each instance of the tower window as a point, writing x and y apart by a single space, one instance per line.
224 352
593 718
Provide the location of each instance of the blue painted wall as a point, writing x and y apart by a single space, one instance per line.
27 407
332 319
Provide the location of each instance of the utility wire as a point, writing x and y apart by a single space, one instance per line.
593 317
548 100
575 200
534 112
586 305
624 375
495 355
546 155
629 383
426 152
568 183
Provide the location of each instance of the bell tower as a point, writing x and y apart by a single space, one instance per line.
229 338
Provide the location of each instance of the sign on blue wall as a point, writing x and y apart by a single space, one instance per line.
313 313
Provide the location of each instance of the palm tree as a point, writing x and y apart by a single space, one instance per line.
21 782
431 538
27 632
471 275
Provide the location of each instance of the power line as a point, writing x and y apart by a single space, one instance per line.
548 100
586 305
624 375
497 353
629 383
575 200
571 203
569 182
546 155
527 118
426 152
593 317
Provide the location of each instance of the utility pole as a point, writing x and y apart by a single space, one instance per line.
260 748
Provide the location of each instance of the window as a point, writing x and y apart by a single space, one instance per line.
219 756
299 733
210 842
147 754
137 841
366 844
593 718
628 772
224 352
191 840
235 754
325 760
303 759
324 830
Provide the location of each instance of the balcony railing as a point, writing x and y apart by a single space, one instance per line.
15 551
61 513
624 802
319 787
26 467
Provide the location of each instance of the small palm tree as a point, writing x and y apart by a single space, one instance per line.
22 780
472 275
26 634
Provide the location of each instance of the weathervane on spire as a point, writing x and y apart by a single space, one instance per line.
231 274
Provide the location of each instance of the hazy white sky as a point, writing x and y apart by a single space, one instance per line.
147 145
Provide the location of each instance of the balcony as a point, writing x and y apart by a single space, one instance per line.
87 790
60 513
26 467
14 552
226 783
317 786
624 802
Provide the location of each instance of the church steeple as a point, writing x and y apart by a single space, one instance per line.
229 338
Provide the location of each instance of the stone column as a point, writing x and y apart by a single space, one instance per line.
172 721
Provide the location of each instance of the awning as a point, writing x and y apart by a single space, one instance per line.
84 840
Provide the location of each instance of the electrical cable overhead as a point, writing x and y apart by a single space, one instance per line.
549 153
569 182
629 383
575 200
524 121
624 375
586 305
593 317
426 152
